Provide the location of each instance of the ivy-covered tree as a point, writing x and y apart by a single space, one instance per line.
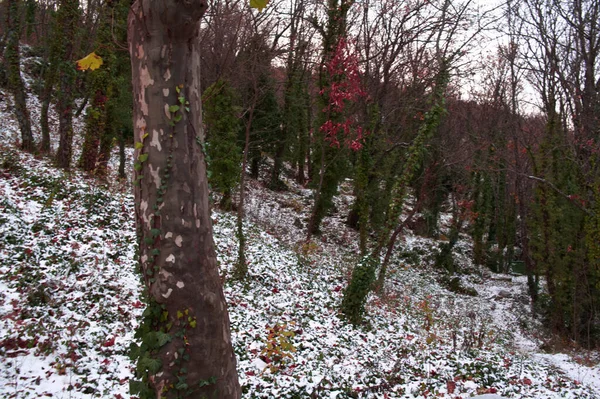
15 82
339 131
265 128
223 127
186 348
107 115
68 15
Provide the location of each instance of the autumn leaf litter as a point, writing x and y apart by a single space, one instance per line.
70 298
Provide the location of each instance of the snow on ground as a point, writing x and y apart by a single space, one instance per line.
69 291
70 300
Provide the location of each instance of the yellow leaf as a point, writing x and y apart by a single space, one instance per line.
260 4
90 61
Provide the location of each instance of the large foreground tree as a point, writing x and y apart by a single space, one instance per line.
186 348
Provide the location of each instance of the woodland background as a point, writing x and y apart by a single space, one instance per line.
399 97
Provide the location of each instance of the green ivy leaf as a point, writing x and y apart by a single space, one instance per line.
134 351
139 145
147 363
143 157
164 315
173 108
163 338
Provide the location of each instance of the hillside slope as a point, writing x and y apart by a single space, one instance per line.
70 299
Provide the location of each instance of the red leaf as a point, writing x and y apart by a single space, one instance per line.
450 386
109 342
137 304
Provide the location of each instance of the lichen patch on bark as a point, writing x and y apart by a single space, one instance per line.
145 81
155 175
155 141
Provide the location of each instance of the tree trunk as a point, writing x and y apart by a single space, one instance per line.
67 20
50 75
95 125
15 83
177 252
106 146
241 268
45 98
121 154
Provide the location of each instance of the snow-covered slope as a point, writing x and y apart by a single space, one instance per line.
70 298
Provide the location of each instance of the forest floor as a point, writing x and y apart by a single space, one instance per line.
70 300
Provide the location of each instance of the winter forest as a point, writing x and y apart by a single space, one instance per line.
299 199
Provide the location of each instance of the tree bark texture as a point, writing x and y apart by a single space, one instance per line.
177 253
15 82
94 128
68 14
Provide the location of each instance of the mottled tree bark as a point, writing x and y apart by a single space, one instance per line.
177 253
15 82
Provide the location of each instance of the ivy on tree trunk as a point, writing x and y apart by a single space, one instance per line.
187 349
15 82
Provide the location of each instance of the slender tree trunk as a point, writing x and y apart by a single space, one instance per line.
122 154
275 183
67 20
49 84
81 108
305 138
177 251
313 224
301 161
95 124
15 83
241 268
523 228
46 97
106 146
390 249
